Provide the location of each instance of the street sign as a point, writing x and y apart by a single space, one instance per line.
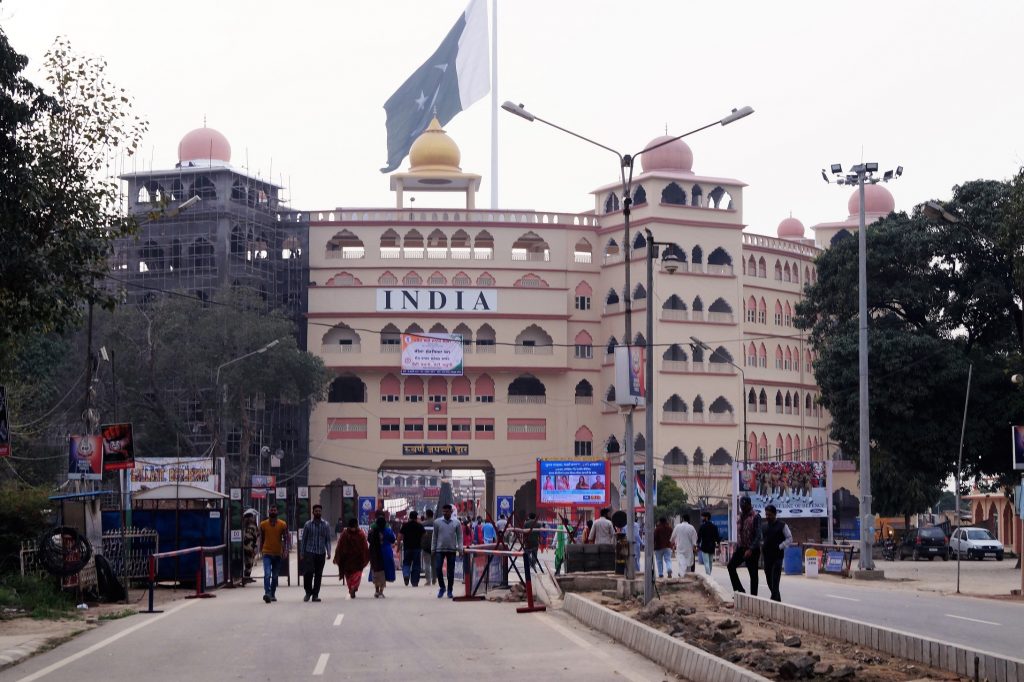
348 491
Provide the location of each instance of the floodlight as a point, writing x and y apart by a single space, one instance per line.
824 175
899 171
888 176
837 168
871 167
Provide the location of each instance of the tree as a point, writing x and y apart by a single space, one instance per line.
168 353
671 499
941 296
59 209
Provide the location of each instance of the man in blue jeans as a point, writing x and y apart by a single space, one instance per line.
274 546
445 543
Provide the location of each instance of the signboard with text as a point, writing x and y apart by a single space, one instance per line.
433 354
797 489
576 482
153 472
85 458
437 300
435 449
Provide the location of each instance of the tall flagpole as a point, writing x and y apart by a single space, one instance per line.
494 104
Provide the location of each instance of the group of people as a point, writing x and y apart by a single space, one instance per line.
756 539
686 541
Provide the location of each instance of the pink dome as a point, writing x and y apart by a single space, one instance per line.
877 199
790 228
204 144
675 156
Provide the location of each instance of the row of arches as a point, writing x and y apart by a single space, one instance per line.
757 312
675 308
524 389
533 339
787 358
155 255
784 270
785 403
787 448
718 262
677 457
437 245
675 194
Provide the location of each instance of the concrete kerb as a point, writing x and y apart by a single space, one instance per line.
933 653
20 651
673 654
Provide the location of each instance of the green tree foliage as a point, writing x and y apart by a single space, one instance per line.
941 296
671 499
59 207
23 516
167 356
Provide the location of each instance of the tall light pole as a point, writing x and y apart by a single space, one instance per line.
626 162
670 261
743 390
861 174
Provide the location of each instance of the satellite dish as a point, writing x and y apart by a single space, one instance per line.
619 519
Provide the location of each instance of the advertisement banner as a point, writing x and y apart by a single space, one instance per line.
640 501
434 354
1018 447
154 472
630 388
262 486
572 482
367 505
797 489
118 447
85 458
506 505
5 425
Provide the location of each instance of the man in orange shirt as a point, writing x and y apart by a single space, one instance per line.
274 546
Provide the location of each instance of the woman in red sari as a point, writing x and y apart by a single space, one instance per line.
351 555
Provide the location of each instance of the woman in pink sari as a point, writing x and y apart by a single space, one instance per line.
351 555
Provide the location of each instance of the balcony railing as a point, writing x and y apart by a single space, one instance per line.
720 368
527 399
721 418
719 269
485 348
583 257
530 255
387 252
534 350
341 348
720 317
675 417
675 366
584 400
437 252
697 418
675 315
390 348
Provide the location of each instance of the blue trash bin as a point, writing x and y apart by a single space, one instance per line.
793 560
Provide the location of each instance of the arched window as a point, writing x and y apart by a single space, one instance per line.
720 311
751 267
639 242
698 457
387 279
763 401
762 312
752 400
697 196
414 329
534 340
583 346
612 298
674 353
584 393
461 390
611 446
583 442
390 388
639 443
720 457
412 278
698 353
721 411
438 328
639 292
201 254
674 308
413 244
413 390
786 277
611 249
751 355
762 356
390 244
673 194
778 313
674 410
719 198
698 305
437 279
720 257
675 457
461 247
484 389
583 252
483 246
788 315
344 244
347 388
697 255
467 335
526 388
437 244
788 363
485 339
762 447
778 271
610 346
151 257
203 188
611 203
639 196
530 247
639 340
778 357
340 338
778 402
762 268
719 361
788 451
609 395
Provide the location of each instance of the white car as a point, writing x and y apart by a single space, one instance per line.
975 543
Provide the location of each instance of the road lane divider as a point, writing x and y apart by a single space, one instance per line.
337 620
973 620
836 596
321 664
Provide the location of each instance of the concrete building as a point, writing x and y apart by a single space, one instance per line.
538 347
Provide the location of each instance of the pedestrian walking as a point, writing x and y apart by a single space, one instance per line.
603 532
250 544
445 544
426 558
314 550
274 547
531 539
351 555
708 540
382 555
411 537
748 546
588 533
684 540
776 537
663 547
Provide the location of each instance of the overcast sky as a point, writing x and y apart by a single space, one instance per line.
298 89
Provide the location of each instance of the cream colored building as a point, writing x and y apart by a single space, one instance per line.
538 366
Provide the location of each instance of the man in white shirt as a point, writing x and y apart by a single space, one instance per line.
684 539
603 532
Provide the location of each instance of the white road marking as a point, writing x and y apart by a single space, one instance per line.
337 621
584 644
836 596
321 664
99 645
973 620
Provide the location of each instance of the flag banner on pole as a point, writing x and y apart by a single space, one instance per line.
454 77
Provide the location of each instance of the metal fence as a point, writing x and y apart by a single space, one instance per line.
140 544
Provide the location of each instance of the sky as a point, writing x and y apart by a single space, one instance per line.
298 89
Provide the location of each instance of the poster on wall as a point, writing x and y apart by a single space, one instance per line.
85 458
1018 447
630 382
153 472
797 489
118 447
367 505
572 482
506 505
434 354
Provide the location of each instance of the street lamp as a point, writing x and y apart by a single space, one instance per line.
743 390
670 261
626 162
861 174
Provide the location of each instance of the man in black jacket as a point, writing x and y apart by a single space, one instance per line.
748 546
776 537
707 541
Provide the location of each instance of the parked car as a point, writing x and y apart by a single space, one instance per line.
924 542
975 543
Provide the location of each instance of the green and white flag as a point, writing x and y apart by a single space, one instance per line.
454 77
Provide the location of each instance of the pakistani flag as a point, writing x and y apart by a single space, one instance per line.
454 77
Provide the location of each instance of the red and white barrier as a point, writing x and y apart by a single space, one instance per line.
202 551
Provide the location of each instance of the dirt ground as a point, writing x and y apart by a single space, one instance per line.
779 652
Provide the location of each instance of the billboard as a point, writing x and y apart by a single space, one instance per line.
85 458
797 489
367 506
577 482
154 472
436 354
118 447
1018 447
630 388
5 425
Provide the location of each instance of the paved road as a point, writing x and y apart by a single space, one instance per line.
987 624
411 634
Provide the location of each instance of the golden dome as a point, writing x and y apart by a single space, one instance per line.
434 151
